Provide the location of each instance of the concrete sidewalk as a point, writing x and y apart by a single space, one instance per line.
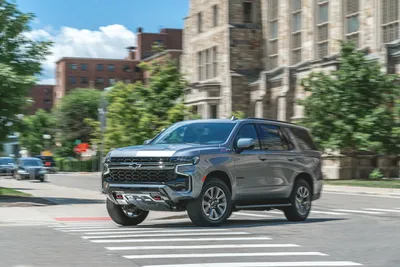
361 190
70 204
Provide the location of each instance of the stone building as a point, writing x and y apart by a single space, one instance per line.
250 55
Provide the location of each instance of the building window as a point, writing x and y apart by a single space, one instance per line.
126 68
296 31
273 34
127 81
215 62
99 67
352 14
137 69
46 91
322 28
390 20
72 66
84 80
46 101
247 12
110 67
208 64
214 111
111 81
84 66
215 15
72 80
99 80
199 22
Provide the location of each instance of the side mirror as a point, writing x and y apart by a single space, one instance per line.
147 142
245 143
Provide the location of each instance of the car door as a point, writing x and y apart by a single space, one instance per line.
250 170
278 154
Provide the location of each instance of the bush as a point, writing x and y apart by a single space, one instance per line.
376 174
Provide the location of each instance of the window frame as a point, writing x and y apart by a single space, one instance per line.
248 18
319 26
283 138
99 69
385 24
234 141
296 51
273 41
215 9
349 15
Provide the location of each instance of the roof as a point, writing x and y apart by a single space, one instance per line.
289 124
93 58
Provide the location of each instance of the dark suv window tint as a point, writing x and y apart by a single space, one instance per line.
248 131
303 139
271 137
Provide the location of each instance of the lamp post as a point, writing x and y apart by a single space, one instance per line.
102 110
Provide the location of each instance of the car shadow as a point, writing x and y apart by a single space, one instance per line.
24 201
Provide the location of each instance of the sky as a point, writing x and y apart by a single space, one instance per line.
97 28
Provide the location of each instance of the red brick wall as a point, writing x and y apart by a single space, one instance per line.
42 96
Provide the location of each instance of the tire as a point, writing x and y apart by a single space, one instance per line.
118 215
296 213
195 207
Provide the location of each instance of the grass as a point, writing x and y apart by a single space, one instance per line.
8 192
366 183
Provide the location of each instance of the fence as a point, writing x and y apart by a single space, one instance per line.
68 165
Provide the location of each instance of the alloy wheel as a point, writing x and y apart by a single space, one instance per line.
131 211
214 203
303 201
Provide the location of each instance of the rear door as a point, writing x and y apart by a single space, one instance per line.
279 154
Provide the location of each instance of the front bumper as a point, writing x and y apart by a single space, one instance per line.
166 196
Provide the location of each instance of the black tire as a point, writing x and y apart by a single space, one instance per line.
294 213
195 210
118 215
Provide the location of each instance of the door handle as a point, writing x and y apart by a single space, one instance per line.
262 158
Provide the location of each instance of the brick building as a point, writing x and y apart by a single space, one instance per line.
74 72
250 55
42 97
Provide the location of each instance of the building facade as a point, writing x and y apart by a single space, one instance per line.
250 55
42 98
74 72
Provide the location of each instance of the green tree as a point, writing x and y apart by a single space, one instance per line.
352 109
72 114
20 61
32 129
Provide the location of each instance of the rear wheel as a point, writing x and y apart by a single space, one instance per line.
300 200
126 215
213 206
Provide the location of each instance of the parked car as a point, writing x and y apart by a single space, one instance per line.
7 166
211 168
30 168
48 162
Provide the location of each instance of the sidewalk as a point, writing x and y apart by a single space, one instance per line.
361 190
70 204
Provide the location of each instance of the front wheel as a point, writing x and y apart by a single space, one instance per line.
300 200
213 206
126 215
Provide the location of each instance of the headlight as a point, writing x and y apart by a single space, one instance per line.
186 159
22 172
106 170
108 156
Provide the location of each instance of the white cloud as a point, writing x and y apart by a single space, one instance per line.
47 81
106 42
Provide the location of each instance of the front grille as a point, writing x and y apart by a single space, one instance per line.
143 176
140 159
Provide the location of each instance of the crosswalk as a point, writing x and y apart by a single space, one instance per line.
160 245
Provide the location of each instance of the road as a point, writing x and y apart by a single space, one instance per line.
342 230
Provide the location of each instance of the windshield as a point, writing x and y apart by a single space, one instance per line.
6 161
32 162
203 133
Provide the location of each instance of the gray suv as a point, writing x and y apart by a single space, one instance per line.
211 168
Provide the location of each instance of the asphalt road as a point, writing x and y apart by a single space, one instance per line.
342 230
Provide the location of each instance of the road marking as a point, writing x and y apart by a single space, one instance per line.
328 212
127 231
179 239
359 211
162 234
253 215
360 194
266 264
206 247
102 229
82 219
383 210
220 255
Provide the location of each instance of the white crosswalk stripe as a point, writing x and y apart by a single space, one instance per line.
384 210
161 246
358 211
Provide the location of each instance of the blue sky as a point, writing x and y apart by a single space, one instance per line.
98 28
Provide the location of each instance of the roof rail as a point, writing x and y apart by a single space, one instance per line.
262 119
233 118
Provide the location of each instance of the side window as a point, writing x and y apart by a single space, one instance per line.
248 131
272 138
303 139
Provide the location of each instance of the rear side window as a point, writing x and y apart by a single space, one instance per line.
303 139
271 137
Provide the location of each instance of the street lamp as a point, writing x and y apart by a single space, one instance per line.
102 118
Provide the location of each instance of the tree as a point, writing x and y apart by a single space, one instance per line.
20 61
352 109
33 128
72 112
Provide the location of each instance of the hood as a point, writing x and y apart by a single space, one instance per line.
162 150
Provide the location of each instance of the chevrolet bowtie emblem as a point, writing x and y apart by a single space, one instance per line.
134 166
